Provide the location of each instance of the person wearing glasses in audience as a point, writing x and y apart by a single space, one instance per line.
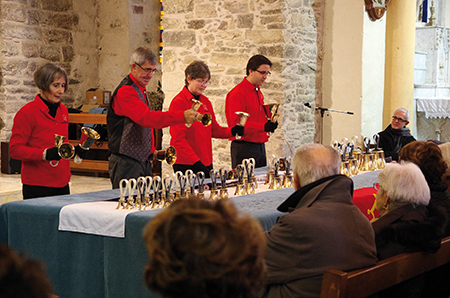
131 120
247 97
396 135
193 144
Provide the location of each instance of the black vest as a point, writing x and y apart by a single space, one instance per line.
125 136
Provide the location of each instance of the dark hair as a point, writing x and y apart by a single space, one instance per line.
196 70
428 156
200 249
45 75
21 277
142 54
256 61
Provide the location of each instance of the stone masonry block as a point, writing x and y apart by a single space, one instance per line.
265 36
14 12
178 6
184 39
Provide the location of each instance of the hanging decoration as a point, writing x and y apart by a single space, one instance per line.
161 32
376 8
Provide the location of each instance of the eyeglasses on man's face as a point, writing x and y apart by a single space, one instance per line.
147 70
264 73
399 119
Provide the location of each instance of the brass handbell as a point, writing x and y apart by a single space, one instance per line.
169 155
240 188
380 162
206 118
65 150
271 171
166 195
276 182
148 193
214 195
191 178
201 184
288 178
253 162
157 187
141 184
272 111
88 137
223 174
123 186
345 167
131 189
367 162
242 120
249 169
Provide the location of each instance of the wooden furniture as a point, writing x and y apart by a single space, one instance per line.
89 165
385 274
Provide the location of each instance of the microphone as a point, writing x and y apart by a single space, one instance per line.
307 105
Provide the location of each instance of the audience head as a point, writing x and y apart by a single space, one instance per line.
312 162
200 249
400 118
428 156
21 277
48 73
401 184
197 77
445 150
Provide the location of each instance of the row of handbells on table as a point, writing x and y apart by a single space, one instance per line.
355 159
155 192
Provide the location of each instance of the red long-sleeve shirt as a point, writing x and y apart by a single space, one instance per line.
245 98
127 103
194 143
34 131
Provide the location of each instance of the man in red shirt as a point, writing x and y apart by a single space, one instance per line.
247 97
131 121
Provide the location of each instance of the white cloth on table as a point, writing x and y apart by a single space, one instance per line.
434 107
98 218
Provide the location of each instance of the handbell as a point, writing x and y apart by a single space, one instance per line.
243 116
272 111
88 137
169 155
65 150
205 119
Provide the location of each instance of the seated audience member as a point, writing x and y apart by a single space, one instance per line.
322 230
204 249
445 150
428 156
396 135
405 223
21 277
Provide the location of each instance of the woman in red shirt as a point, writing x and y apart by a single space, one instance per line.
193 144
43 171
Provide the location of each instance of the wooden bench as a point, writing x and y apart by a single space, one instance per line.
386 273
87 164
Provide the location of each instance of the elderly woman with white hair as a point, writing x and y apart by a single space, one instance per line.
405 223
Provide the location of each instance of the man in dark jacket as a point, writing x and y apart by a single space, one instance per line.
322 230
396 135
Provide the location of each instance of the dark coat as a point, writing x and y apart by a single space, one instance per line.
393 140
322 230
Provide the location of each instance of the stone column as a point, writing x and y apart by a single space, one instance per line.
399 71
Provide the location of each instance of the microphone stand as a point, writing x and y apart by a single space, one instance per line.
322 112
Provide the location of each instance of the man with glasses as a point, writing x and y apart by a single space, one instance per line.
131 121
396 135
247 97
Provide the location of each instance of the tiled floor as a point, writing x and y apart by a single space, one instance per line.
11 186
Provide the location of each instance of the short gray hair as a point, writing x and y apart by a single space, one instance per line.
45 75
404 184
312 162
142 54
404 111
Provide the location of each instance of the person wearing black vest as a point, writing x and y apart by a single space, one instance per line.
130 121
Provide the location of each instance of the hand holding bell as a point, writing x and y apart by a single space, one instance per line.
205 119
242 120
88 137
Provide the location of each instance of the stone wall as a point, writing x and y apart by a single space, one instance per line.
37 31
225 34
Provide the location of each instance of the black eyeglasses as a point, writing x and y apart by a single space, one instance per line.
399 119
268 73
147 70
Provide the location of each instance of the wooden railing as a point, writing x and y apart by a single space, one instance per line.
385 274
87 164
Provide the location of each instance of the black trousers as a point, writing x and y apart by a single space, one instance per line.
241 150
124 167
36 191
